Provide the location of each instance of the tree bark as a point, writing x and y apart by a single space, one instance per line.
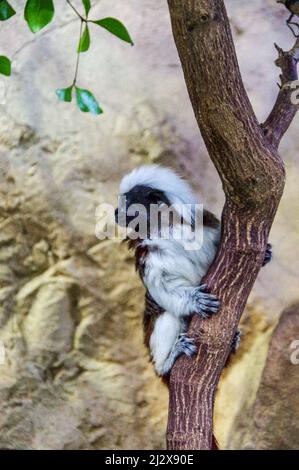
252 173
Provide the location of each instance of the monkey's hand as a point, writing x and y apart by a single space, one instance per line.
206 304
268 255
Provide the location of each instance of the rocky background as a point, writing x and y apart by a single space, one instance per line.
75 374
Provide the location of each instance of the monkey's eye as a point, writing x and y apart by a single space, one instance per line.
156 197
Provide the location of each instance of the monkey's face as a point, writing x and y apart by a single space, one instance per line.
137 205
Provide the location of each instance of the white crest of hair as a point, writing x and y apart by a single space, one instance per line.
176 189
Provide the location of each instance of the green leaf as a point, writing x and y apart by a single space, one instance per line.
38 13
84 41
87 6
115 27
87 102
6 10
65 94
5 66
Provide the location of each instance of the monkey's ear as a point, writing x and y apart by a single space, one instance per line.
158 197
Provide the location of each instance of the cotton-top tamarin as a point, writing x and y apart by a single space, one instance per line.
172 257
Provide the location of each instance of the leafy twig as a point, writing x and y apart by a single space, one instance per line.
38 14
76 11
78 56
85 99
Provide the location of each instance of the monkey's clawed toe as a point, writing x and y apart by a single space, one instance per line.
206 304
268 255
236 342
186 345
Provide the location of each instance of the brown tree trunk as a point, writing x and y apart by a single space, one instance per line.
252 173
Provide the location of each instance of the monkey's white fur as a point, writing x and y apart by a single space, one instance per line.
177 191
155 176
172 276
171 273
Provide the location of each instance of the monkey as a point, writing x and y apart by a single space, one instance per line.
293 7
169 268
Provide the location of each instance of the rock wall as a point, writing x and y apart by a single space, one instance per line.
75 373
273 422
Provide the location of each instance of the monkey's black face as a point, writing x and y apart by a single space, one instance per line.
137 204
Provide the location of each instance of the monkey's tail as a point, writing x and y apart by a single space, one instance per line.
165 380
215 445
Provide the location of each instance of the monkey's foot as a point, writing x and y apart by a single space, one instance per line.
268 255
183 345
206 304
236 342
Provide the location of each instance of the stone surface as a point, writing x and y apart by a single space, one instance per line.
75 373
275 423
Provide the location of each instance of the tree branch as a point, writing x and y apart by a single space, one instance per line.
252 174
284 110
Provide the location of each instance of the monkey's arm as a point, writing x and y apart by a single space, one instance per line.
169 292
